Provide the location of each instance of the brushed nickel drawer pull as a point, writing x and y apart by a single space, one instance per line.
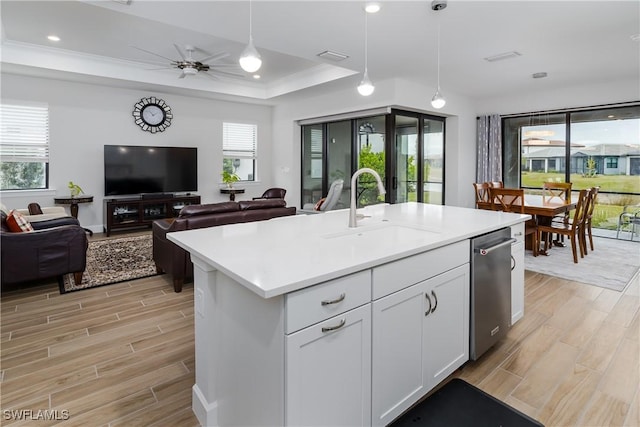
333 328
435 298
334 301
426 313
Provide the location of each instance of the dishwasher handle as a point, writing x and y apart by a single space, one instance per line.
487 251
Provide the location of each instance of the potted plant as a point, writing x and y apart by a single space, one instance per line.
229 178
75 189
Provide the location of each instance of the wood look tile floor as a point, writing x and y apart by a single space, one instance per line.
123 355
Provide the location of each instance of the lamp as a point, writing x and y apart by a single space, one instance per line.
366 87
438 100
250 58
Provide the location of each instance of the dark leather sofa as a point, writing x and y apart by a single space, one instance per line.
170 258
55 247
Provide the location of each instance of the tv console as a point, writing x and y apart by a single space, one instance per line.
141 211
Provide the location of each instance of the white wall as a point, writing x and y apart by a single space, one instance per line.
85 117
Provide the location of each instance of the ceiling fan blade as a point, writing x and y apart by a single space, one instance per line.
152 53
182 55
211 76
215 57
227 73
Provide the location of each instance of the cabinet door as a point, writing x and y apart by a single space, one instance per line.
397 352
328 372
517 282
447 324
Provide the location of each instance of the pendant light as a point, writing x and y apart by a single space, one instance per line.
366 87
250 60
438 100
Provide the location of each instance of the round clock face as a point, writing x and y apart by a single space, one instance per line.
152 114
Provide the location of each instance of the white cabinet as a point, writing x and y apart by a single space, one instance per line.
420 336
328 372
517 273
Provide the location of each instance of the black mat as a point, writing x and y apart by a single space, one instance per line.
459 404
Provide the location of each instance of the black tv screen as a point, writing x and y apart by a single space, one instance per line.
132 169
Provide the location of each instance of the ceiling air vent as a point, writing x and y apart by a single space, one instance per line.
333 56
502 56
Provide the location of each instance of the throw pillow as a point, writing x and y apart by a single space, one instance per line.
34 209
18 223
320 202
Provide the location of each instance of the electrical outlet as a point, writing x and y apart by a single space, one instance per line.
200 302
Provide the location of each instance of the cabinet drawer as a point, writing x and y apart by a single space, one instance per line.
397 275
314 304
517 231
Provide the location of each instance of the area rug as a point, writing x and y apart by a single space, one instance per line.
460 404
611 265
113 261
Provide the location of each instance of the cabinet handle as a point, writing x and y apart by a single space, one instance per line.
426 313
435 298
333 328
334 301
514 263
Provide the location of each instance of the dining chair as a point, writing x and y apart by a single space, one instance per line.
572 229
588 215
482 194
558 192
496 184
512 200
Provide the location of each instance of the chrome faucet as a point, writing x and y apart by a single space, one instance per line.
353 220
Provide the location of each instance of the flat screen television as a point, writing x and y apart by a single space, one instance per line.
132 169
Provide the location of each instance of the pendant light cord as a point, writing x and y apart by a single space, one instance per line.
366 43
438 56
250 22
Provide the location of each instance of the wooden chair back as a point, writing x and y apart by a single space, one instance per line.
593 195
507 199
580 211
496 184
482 192
559 192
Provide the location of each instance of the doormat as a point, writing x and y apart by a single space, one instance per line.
460 404
611 265
114 260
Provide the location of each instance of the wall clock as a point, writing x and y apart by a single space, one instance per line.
152 114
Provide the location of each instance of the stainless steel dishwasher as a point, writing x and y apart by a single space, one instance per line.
490 290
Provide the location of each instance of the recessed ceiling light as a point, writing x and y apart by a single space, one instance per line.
53 38
501 56
256 76
372 7
540 75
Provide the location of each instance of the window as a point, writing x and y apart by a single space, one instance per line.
239 141
612 162
24 147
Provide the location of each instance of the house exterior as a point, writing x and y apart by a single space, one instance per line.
610 159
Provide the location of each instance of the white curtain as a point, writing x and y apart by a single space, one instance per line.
489 149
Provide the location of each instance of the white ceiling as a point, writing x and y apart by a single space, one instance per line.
575 42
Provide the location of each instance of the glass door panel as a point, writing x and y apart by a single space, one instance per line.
371 154
406 146
339 158
433 161
312 158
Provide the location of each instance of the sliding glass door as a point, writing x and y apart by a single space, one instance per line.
405 148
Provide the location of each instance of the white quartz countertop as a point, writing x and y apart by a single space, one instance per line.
285 254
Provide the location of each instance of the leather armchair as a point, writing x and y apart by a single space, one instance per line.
55 247
272 193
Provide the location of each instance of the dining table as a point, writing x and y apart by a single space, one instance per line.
541 208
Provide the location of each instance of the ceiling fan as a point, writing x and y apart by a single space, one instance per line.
191 66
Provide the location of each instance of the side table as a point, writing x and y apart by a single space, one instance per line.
232 192
73 203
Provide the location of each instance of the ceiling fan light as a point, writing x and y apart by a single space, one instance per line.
366 87
250 60
438 100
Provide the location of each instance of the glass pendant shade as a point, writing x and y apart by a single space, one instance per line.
366 87
438 100
250 60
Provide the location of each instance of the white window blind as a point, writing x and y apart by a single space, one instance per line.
24 133
239 140
316 141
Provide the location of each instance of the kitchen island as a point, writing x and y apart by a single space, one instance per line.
303 320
